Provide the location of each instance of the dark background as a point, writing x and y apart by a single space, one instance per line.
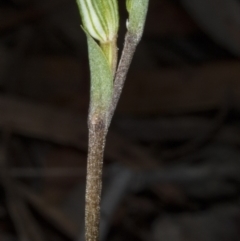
172 160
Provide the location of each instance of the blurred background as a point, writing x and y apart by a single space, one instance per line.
172 161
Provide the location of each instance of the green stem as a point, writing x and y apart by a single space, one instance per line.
110 51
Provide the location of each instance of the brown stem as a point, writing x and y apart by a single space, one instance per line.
130 45
97 138
98 127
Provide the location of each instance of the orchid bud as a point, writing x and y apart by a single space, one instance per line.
100 18
137 10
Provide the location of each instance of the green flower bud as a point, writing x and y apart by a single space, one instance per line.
100 18
137 15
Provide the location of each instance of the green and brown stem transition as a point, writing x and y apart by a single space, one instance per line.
100 20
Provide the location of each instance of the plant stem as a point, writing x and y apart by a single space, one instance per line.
130 45
101 22
98 127
110 50
97 139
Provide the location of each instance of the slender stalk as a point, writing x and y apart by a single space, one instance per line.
101 21
130 45
97 138
98 127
